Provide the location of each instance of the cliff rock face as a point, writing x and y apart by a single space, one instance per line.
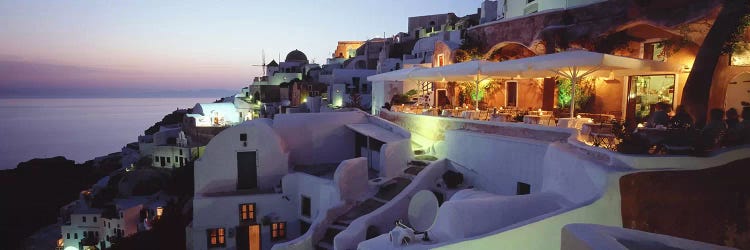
33 192
595 20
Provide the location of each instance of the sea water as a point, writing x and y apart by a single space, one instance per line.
80 128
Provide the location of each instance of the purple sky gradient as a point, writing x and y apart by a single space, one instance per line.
183 44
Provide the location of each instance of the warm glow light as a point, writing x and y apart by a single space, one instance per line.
640 125
578 116
159 211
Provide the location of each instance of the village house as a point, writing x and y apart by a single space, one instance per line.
265 181
87 227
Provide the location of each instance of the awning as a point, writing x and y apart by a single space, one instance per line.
465 71
375 132
584 61
576 65
396 75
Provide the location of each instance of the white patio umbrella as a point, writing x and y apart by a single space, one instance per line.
575 65
465 71
396 75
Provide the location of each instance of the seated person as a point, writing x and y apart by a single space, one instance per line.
658 116
744 126
681 118
714 129
733 118
733 131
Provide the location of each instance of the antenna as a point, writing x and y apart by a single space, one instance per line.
423 209
263 53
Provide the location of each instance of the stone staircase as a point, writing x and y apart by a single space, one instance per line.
384 194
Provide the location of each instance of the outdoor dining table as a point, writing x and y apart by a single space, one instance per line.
598 133
429 112
576 123
536 112
653 135
536 119
470 114
503 117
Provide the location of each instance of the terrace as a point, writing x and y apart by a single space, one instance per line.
609 95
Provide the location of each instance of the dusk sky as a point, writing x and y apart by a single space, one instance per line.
132 46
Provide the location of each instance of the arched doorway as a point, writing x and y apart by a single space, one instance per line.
738 92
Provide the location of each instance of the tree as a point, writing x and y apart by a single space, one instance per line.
697 90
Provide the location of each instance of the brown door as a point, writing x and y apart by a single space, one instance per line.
248 237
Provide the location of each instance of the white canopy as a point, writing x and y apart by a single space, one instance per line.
573 65
584 61
465 71
396 75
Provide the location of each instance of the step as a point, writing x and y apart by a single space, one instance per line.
323 246
338 227
330 234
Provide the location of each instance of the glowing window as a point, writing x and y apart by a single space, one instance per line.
247 212
216 237
278 230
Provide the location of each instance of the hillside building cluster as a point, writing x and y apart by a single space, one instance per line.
508 117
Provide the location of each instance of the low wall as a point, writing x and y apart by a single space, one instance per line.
384 217
709 205
432 128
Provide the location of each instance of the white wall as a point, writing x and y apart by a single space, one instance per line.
279 78
322 193
216 170
171 152
318 138
496 163
516 7
223 212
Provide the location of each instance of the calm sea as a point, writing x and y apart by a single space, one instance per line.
79 129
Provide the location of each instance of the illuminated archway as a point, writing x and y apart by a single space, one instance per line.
508 51
738 92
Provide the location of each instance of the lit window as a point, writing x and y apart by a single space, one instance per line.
215 237
278 230
247 212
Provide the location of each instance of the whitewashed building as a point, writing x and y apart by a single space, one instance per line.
86 227
266 181
214 114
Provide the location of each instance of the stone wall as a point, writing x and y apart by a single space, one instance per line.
591 21
710 205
